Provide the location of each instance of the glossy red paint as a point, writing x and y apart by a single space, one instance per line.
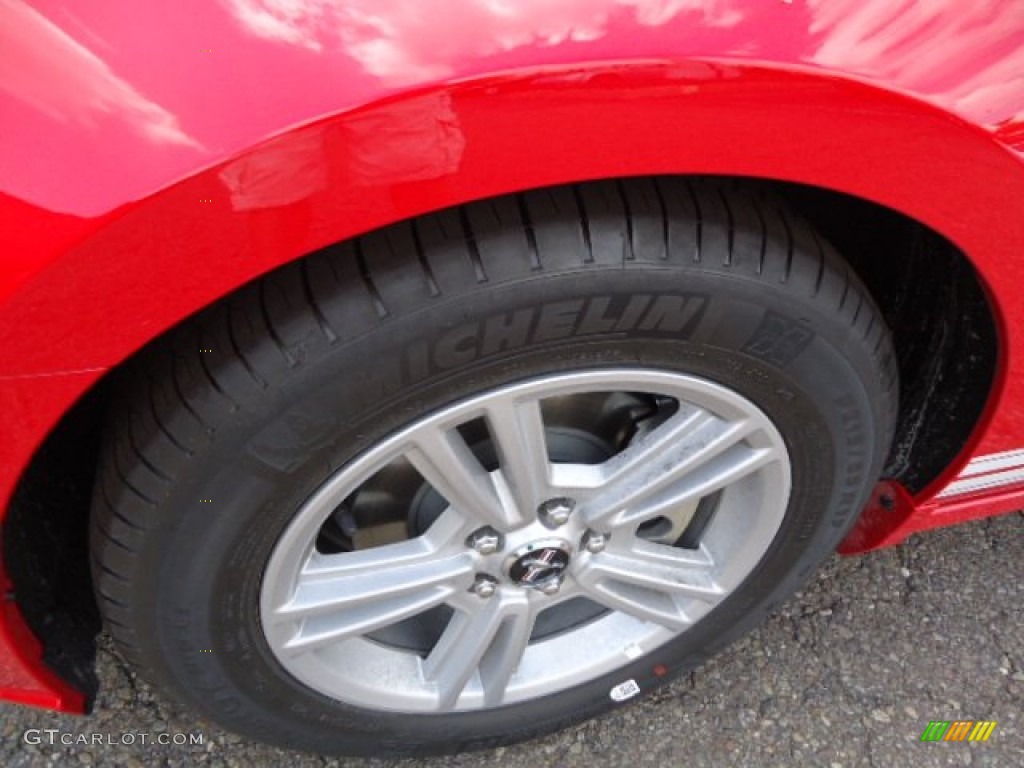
153 161
26 680
893 514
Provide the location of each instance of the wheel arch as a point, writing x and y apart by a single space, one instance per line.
142 268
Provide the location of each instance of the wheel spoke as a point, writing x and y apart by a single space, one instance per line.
488 640
518 431
342 595
649 447
722 471
650 581
447 463
691 455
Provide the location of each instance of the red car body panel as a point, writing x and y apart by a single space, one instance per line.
153 161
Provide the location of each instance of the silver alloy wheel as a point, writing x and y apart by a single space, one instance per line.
504 550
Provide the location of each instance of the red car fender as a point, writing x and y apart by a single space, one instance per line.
100 266
160 259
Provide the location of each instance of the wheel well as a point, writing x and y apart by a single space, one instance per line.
932 298
942 325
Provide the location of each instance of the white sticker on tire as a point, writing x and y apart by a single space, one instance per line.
623 691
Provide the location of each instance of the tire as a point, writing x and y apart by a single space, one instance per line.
353 440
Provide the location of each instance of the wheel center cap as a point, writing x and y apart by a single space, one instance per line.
537 564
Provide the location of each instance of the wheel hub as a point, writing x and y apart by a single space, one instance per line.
540 564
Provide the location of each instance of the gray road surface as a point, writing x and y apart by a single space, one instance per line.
847 674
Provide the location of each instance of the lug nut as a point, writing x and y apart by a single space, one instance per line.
594 542
484 586
486 541
555 513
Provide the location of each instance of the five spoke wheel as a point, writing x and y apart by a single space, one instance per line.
512 558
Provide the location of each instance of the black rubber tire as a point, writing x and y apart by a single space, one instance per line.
219 431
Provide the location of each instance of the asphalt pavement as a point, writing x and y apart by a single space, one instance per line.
848 673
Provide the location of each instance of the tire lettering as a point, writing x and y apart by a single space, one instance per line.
506 331
596 318
668 314
636 306
671 313
557 320
456 347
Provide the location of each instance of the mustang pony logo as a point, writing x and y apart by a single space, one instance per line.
536 568
548 563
